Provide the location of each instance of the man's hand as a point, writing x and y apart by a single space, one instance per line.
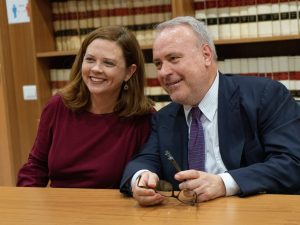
147 196
207 186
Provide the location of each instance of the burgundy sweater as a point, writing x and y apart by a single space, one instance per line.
82 150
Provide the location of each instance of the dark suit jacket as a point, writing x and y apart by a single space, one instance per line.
259 137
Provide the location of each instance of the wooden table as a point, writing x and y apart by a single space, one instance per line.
45 206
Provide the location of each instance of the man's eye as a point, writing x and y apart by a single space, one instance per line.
157 65
173 58
88 59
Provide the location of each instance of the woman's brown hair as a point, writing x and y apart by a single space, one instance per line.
132 101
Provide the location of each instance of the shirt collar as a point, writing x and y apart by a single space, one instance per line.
209 103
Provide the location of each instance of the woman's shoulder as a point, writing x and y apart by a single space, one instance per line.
53 103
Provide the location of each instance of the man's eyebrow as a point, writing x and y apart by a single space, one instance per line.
155 60
166 56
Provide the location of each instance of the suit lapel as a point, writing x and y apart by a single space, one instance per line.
177 130
230 126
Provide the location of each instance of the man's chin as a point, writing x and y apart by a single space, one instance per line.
178 99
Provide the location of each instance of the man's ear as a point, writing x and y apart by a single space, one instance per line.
207 54
130 71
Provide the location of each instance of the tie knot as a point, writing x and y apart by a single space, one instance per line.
196 113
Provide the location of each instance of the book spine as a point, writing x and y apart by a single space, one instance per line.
56 21
53 81
297 73
224 20
275 18
90 15
292 73
284 17
83 19
104 12
139 21
268 67
111 9
264 10
63 25
234 13
74 38
294 19
212 18
261 67
252 16
221 65
96 13
244 19
244 66
199 6
235 66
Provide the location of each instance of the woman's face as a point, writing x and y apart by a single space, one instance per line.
104 69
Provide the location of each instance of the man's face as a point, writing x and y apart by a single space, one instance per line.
182 64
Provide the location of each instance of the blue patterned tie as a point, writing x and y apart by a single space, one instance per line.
196 142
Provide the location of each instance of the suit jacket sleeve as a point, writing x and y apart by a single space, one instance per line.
148 159
270 160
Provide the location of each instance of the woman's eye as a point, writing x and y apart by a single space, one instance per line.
109 63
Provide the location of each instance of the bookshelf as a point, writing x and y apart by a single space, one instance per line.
30 53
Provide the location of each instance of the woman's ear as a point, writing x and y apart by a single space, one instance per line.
130 71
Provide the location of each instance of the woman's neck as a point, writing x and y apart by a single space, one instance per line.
101 105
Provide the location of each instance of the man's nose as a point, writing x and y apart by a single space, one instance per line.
165 69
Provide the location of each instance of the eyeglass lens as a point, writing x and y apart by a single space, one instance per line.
166 189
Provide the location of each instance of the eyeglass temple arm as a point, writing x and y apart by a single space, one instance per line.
172 160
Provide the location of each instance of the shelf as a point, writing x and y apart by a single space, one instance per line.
51 54
55 54
257 40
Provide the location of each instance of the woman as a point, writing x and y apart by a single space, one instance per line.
93 126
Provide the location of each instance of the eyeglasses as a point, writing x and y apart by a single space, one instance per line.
166 189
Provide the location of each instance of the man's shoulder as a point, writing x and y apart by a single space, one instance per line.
249 82
171 108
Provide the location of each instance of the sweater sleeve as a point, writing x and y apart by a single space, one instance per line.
34 173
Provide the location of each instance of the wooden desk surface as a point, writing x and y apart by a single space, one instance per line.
45 206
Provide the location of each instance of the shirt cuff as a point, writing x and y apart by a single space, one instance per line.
231 186
135 176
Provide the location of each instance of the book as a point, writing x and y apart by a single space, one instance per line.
244 19
264 18
275 18
294 17
224 20
212 18
199 6
252 17
74 38
284 17
96 13
234 13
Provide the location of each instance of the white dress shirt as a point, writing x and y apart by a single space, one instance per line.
213 161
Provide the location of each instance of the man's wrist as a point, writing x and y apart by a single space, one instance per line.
231 186
135 176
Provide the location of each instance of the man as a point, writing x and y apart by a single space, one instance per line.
251 125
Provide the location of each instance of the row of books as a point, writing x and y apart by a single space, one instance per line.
73 19
235 19
285 69
60 77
